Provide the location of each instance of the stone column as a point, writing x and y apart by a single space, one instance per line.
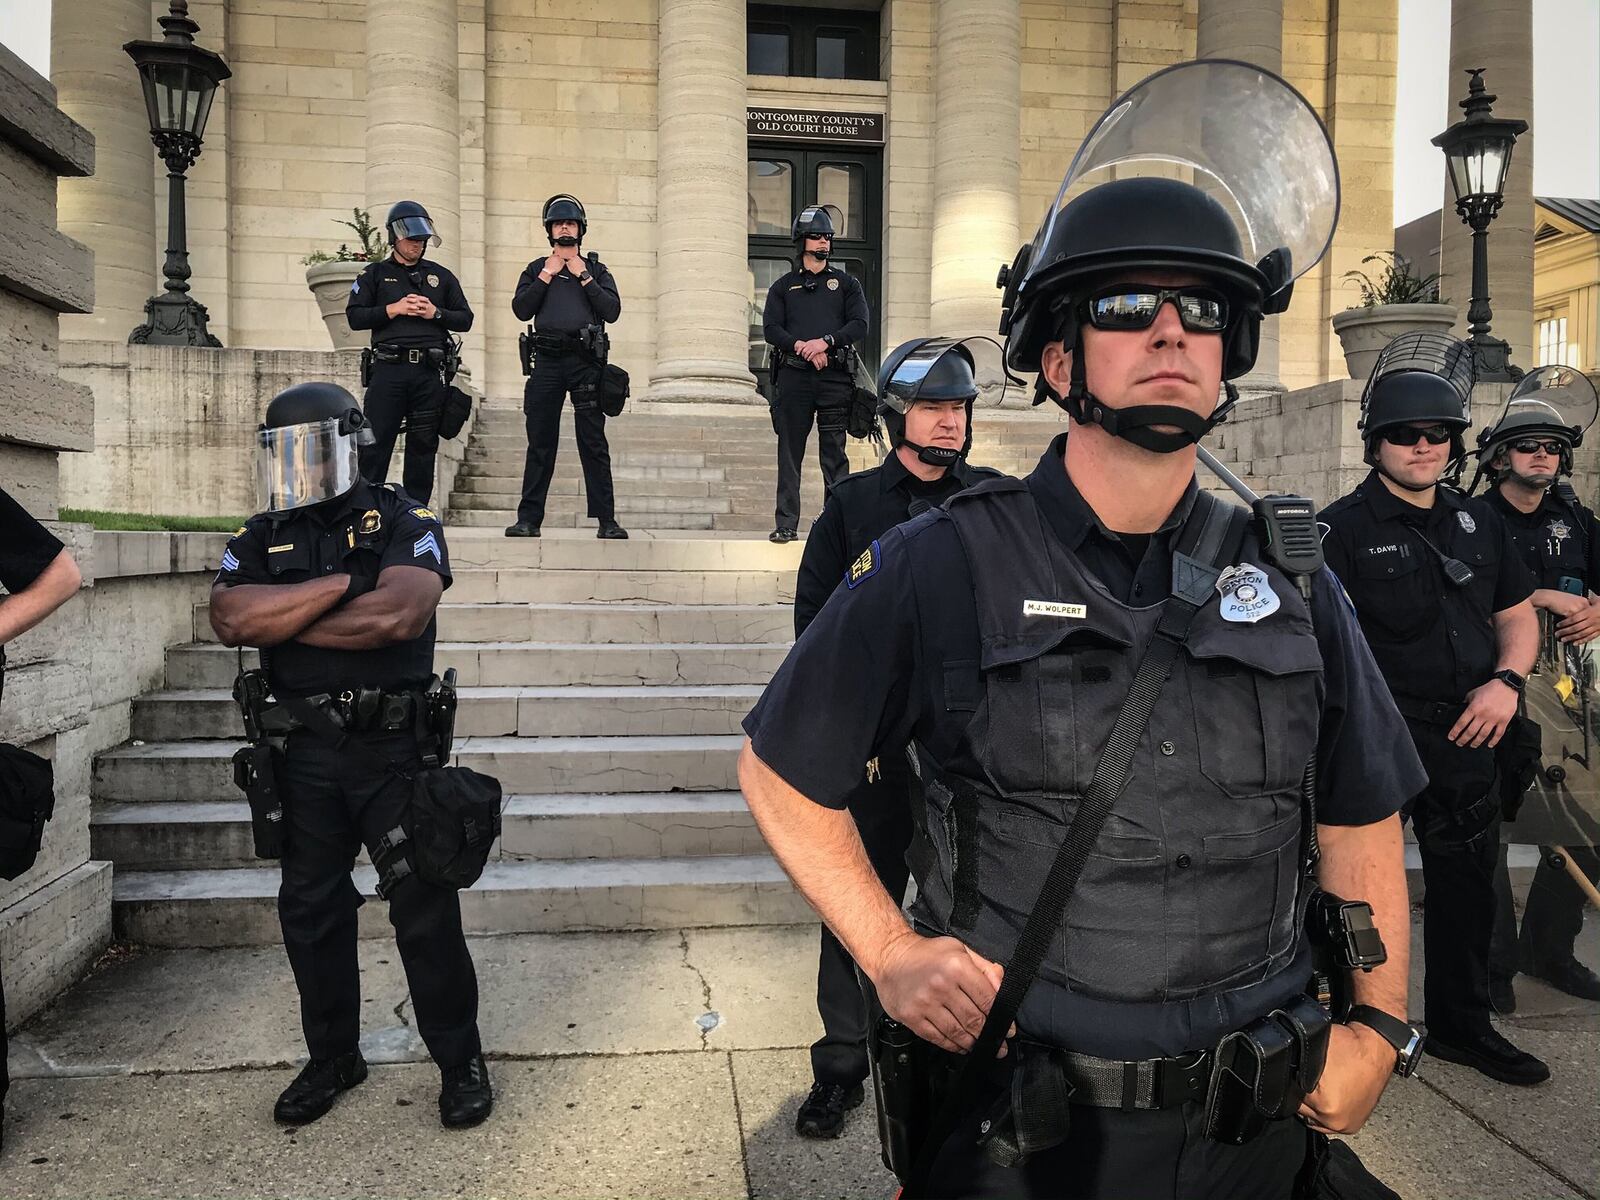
113 212
413 117
977 176
1498 36
702 290
1250 31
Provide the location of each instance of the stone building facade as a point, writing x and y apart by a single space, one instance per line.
941 126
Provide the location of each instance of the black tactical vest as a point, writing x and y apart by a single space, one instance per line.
1193 885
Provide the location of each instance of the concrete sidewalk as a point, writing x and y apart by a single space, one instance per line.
636 1065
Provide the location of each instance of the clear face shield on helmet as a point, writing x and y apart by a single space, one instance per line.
301 465
1554 401
1278 182
985 355
413 227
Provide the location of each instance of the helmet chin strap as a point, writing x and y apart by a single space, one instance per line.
567 240
1136 424
934 456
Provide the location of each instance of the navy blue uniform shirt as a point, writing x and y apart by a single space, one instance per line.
382 283
882 662
1558 539
26 547
1434 641
815 304
566 304
361 533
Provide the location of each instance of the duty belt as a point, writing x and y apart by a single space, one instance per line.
1430 712
362 710
417 356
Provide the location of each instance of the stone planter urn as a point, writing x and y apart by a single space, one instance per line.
330 284
1364 332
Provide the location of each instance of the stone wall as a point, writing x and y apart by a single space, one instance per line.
56 916
175 427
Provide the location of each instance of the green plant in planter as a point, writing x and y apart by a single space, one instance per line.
371 249
1395 283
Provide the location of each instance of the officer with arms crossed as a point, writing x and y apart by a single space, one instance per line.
1443 597
1525 454
813 314
927 388
1004 636
412 305
338 582
569 299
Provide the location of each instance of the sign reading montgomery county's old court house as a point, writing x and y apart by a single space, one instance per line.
862 129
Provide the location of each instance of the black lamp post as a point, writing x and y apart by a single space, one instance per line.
179 80
1478 149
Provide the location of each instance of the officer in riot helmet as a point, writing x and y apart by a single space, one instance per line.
1526 456
1443 597
570 299
814 316
1107 647
927 389
337 581
412 305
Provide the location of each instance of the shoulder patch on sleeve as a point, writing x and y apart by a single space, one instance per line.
865 566
426 514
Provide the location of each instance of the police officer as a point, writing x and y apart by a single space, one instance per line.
927 389
412 305
1001 635
813 315
39 576
1525 455
338 581
564 295
1443 598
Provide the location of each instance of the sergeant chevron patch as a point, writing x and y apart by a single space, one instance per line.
427 544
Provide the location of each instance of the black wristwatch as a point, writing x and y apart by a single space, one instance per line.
1405 1039
1511 679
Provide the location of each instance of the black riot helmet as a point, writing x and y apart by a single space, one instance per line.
816 220
563 207
408 219
306 446
1247 216
1554 402
1418 377
939 369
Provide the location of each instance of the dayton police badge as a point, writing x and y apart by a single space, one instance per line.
833 285
433 281
1467 523
1247 596
370 521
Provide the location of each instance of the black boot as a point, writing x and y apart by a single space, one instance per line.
522 529
1489 1053
610 530
317 1086
1571 977
465 1097
822 1113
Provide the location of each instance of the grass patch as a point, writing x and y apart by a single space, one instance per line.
150 521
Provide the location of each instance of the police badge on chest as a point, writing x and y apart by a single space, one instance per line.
1247 596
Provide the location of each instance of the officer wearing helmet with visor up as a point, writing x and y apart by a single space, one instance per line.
337 581
412 305
570 299
927 389
1443 596
1527 457
1113 692
814 316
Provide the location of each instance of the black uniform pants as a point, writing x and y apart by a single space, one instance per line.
413 394
1114 1155
554 376
804 395
1457 823
1551 919
335 801
882 812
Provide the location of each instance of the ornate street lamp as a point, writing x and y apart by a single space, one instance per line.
179 80
1478 149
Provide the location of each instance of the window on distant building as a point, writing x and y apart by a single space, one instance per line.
1554 349
812 43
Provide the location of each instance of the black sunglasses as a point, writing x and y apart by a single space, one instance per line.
1410 435
1135 306
1534 445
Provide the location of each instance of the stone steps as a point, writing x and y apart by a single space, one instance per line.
238 906
591 624
571 486
201 770
464 504
533 584
211 834
484 548
204 713
485 664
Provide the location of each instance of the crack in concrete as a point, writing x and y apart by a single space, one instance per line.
705 994
400 1011
1489 1128
738 1121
